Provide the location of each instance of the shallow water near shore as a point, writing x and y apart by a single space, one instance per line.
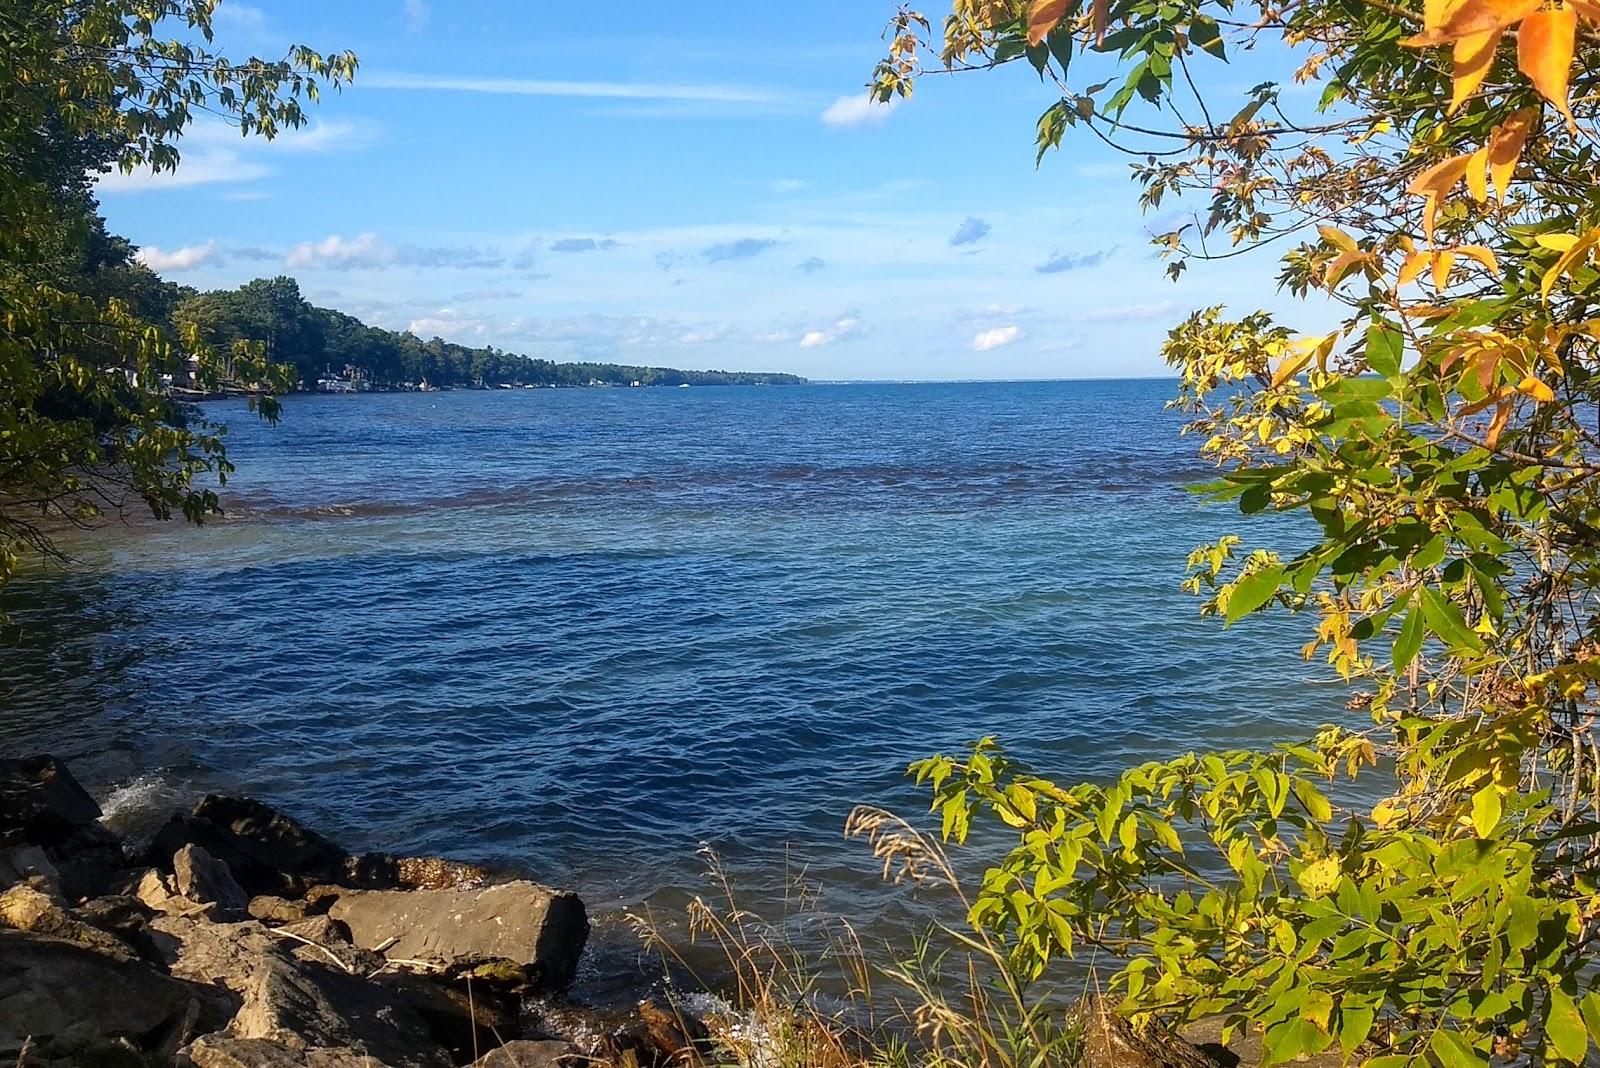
581 632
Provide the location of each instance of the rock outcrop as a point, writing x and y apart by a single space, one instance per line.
250 941
537 930
50 827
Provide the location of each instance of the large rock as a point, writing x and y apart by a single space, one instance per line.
201 877
270 853
27 908
39 794
42 806
223 1050
527 1053
57 991
266 851
306 1007
538 930
314 1008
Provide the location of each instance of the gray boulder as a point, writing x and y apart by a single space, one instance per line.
203 878
27 908
527 1053
223 1050
59 994
539 931
42 806
310 1006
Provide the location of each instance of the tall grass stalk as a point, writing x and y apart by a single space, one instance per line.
951 999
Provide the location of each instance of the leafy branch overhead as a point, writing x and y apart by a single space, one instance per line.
1416 884
85 86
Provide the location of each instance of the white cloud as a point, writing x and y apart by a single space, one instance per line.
240 17
179 259
999 337
843 328
416 14
1124 312
859 110
703 335
364 250
368 251
536 87
206 167
448 321
215 153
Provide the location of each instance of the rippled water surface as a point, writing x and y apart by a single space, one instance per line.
583 631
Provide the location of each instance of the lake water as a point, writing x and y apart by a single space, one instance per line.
584 631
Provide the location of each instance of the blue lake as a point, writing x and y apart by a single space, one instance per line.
583 631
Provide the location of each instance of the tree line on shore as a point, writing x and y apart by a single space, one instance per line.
315 341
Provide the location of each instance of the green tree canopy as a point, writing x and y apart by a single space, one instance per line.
87 85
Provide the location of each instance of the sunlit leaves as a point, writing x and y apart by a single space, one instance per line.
1545 42
1506 144
1252 591
1043 16
1433 453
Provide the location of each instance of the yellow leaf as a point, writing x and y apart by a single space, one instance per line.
1485 810
1472 57
1544 53
1579 249
1043 17
1497 425
1589 9
1337 238
1342 264
1434 184
1099 14
1482 255
1472 17
1440 178
1319 877
1557 242
1413 267
1505 146
1477 175
1291 366
1536 389
1442 262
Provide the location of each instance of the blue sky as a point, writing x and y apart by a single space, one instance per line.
695 185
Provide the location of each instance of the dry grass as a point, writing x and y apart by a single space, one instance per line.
950 1000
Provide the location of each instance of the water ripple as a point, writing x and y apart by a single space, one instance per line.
583 631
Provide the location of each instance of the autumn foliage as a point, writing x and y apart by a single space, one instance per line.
1419 882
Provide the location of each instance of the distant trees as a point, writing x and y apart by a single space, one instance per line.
86 85
310 340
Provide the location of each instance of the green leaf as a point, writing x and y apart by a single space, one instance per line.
1203 33
1316 805
1590 1007
1486 810
1252 591
1385 345
1564 1028
1355 1023
1453 1050
1444 619
1409 643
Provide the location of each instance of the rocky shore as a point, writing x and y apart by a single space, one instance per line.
239 938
